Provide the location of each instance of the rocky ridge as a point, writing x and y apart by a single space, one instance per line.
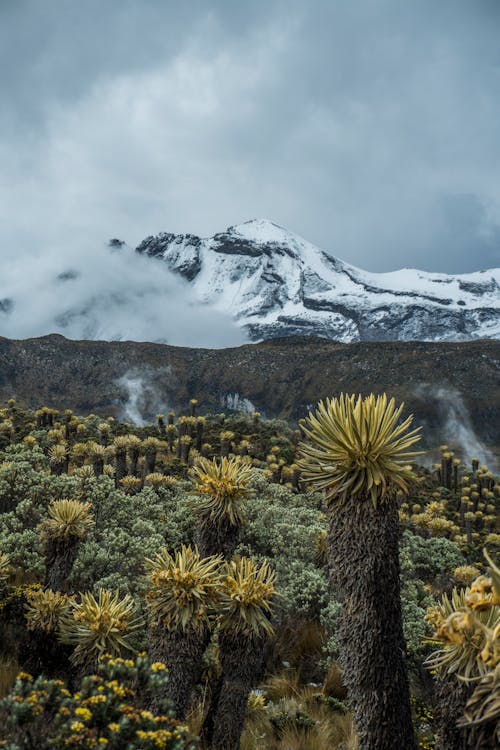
452 388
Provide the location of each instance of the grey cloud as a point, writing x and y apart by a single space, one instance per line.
369 127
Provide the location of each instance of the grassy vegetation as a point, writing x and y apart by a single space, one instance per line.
254 636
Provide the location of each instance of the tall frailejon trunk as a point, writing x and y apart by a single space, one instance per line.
59 559
451 696
149 462
216 539
364 569
44 654
182 653
241 660
134 460
120 465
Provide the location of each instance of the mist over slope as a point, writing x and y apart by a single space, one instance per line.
106 293
443 384
253 281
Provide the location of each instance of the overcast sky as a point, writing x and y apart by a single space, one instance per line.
369 127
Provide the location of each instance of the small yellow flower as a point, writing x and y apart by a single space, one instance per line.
83 713
24 676
158 666
114 727
77 726
94 700
103 741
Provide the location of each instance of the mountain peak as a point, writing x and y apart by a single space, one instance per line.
262 231
275 283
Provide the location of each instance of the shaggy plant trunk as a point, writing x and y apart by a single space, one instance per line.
120 465
98 466
58 469
44 654
217 539
199 436
59 559
364 569
182 653
149 462
451 696
134 460
241 660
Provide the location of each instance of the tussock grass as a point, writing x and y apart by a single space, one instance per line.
9 669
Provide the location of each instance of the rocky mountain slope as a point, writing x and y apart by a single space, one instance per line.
276 284
452 388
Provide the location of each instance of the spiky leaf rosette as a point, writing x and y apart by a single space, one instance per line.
482 712
99 625
356 447
184 589
156 480
246 598
121 442
68 519
223 485
85 473
58 453
463 634
45 609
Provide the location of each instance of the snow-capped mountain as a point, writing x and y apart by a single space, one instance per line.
274 283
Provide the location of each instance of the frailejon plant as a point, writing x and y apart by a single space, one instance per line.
45 609
482 712
468 631
244 611
42 652
223 487
181 608
96 626
68 523
357 452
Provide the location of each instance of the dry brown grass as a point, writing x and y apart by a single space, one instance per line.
333 731
9 668
300 643
334 684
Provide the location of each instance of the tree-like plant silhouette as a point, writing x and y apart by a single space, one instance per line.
244 608
184 587
357 452
67 525
99 625
222 486
467 627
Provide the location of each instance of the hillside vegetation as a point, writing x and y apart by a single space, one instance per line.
206 544
447 386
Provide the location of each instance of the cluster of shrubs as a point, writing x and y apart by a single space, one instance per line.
194 540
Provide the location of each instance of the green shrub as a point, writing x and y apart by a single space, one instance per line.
108 711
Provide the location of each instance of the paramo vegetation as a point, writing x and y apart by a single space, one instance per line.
225 581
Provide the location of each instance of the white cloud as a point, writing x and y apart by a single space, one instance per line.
103 293
369 128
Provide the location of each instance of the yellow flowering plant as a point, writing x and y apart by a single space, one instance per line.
107 711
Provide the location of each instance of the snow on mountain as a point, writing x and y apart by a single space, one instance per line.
274 283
